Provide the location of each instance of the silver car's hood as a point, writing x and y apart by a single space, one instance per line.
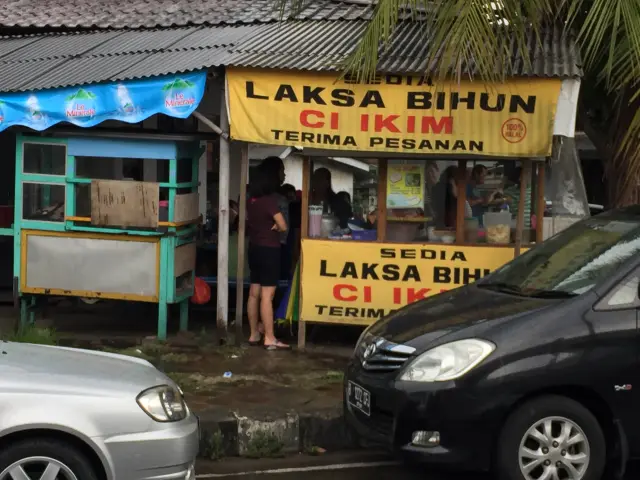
40 367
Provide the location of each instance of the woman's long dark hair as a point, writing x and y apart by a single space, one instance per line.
450 173
264 181
323 174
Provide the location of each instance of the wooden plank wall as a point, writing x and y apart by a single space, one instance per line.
124 203
184 259
186 207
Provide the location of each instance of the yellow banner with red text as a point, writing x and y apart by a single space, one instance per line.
358 283
393 113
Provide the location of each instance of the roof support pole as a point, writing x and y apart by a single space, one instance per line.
525 178
461 186
244 175
212 125
222 308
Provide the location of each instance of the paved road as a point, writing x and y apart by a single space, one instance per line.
376 473
340 471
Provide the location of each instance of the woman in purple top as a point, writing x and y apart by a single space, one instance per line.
265 224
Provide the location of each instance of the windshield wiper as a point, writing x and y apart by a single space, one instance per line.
525 292
503 287
550 294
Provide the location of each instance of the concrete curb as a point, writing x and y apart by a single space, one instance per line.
238 434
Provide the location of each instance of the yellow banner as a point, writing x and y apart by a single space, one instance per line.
358 283
394 114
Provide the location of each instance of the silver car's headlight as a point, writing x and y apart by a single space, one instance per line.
163 404
448 362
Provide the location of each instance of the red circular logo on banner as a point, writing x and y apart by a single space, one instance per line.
514 130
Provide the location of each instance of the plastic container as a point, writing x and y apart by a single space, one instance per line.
315 221
471 226
328 224
497 227
365 235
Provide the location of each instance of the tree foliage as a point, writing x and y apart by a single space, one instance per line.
481 34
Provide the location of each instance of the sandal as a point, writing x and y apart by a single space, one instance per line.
255 343
277 346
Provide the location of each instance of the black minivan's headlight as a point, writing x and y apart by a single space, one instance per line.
448 362
361 342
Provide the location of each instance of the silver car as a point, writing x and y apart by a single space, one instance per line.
68 414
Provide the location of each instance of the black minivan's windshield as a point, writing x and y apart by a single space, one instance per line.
574 261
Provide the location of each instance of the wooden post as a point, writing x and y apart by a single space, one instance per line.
461 184
222 308
306 193
525 177
540 203
382 200
304 234
242 218
532 199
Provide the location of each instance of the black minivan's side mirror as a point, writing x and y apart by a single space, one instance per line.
623 296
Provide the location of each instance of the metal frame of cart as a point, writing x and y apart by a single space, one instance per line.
154 265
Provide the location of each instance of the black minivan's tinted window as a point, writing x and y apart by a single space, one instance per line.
572 262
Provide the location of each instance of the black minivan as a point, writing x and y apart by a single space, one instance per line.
529 372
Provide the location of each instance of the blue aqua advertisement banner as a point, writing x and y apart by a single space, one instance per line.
88 105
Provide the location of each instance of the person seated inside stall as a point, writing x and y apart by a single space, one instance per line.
432 172
345 197
445 199
322 194
479 203
512 194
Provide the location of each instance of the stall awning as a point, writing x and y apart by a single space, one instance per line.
88 105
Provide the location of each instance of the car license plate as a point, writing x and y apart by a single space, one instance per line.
359 398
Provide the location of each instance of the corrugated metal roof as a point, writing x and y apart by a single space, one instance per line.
323 45
166 13
59 60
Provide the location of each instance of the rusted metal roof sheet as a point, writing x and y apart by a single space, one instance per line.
60 60
323 46
117 14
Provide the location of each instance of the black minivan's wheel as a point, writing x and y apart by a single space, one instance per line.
44 459
551 438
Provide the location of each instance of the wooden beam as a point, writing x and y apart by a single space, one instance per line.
525 178
382 200
304 234
184 259
242 214
540 203
461 184
306 193
186 207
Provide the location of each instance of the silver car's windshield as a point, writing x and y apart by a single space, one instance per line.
572 262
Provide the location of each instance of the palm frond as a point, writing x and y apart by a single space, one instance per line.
478 38
466 37
610 39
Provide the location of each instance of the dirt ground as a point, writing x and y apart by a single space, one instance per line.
231 379
302 381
